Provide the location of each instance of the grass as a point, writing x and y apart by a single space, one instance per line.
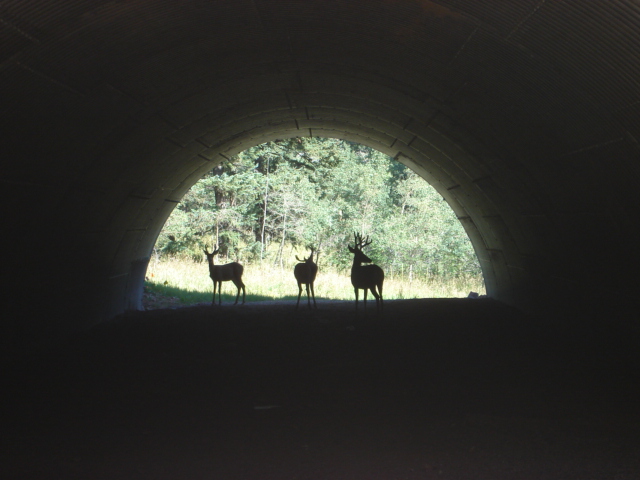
181 283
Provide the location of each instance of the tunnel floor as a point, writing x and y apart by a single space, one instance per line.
431 389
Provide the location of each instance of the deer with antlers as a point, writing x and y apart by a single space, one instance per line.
365 277
305 273
223 273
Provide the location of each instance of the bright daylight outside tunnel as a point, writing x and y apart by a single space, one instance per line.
268 207
524 116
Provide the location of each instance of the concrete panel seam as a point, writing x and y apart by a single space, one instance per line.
526 19
592 147
175 142
49 79
288 98
462 47
517 267
118 275
482 179
19 30
203 143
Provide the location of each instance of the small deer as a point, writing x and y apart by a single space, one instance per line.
305 273
365 277
223 273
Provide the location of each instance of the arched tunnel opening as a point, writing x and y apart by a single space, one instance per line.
267 207
524 116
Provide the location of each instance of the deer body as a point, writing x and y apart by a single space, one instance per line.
223 273
366 277
305 273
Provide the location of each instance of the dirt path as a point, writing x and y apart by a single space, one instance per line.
431 389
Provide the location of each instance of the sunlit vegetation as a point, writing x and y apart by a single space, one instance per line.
188 283
276 200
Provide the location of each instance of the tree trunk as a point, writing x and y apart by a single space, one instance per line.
284 235
264 214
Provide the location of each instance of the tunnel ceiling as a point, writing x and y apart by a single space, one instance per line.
524 115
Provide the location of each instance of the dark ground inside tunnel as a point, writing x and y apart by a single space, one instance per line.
431 389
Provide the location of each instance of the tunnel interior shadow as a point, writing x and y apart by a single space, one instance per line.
467 388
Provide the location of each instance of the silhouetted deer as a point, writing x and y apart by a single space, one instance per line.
223 273
365 277
305 273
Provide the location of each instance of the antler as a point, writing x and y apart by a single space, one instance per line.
360 242
307 259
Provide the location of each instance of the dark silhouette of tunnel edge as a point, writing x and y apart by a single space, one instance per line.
524 117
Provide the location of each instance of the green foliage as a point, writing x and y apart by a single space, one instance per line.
285 196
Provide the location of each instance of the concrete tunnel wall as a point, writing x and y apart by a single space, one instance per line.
524 115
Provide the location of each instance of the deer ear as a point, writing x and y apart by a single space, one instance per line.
351 249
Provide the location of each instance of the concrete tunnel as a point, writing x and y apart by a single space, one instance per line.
524 115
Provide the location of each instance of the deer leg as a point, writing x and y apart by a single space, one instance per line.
356 292
314 297
308 295
365 299
299 294
238 285
220 293
377 297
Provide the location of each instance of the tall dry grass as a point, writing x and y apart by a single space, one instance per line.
276 282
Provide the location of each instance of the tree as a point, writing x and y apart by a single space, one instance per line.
304 192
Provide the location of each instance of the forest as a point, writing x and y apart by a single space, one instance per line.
281 198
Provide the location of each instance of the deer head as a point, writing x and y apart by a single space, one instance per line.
212 254
306 260
359 243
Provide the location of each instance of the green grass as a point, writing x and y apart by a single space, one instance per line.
188 283
192 297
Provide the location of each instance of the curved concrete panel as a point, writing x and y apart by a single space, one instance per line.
525 116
